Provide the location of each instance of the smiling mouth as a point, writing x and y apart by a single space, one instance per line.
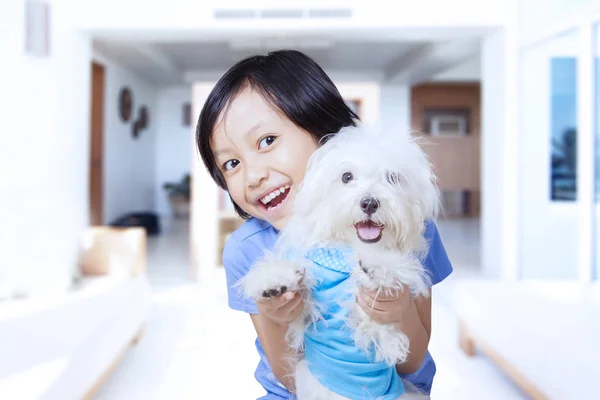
274 199
369 231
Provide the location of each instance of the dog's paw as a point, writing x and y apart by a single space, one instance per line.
392 270
274 292
271 277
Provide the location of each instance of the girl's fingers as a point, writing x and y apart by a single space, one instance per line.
381 296
289 305
376 315
280 301
296 310
369 301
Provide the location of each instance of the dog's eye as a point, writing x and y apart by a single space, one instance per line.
347 177
394 178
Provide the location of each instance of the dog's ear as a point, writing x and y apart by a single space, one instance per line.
405 152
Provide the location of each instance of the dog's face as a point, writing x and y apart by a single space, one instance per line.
363 188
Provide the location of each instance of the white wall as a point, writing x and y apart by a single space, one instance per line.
129 164
558 237
550 228
558 14
172 141
44 149
395 108
500 220
370 94
205 196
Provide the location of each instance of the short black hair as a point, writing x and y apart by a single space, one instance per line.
293 83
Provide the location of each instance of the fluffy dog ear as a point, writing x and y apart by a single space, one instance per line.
406 152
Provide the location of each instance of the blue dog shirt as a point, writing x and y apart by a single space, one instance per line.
330 351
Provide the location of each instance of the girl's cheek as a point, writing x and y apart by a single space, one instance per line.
235 186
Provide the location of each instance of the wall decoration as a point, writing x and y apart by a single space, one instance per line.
136 129
187 114
125 104
143 117
37 28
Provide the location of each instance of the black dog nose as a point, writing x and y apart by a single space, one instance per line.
369 205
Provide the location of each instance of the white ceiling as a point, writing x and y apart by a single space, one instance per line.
381 55
330 55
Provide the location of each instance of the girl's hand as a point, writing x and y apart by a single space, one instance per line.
282 309
385 309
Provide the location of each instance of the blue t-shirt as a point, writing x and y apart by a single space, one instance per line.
248 243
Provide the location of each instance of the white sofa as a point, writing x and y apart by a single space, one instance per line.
62 347
545 335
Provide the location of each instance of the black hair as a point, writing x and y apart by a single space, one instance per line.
293 83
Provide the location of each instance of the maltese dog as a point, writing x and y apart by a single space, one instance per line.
357 221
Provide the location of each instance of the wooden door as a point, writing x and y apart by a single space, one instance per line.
96 145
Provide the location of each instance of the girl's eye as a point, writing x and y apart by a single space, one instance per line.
231 164
266 142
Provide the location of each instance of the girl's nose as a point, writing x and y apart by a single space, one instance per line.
256 176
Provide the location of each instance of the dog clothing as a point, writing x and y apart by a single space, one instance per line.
329 349
247 245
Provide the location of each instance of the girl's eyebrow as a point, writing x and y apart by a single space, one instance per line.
217 153
250 131
254 128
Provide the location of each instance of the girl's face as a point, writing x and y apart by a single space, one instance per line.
262 155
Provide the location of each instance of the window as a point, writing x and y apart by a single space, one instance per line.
596 210
563 128
548 174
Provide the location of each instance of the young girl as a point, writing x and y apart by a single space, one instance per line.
256 133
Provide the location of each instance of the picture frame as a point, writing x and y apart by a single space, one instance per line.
186 115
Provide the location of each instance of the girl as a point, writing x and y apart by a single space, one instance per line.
256 133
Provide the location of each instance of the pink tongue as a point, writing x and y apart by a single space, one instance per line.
368 231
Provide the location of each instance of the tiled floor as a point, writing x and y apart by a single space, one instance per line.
194 347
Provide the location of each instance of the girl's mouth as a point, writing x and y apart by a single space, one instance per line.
275 199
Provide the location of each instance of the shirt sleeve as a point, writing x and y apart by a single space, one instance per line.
436 261
237 260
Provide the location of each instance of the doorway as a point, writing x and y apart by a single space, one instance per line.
96 144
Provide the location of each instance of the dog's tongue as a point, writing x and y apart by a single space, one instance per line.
368 230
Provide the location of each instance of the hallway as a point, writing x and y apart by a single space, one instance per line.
195 347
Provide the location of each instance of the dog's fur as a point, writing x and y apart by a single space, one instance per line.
390 170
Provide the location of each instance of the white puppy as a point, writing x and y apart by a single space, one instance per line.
369 195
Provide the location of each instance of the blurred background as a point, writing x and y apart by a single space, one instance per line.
111 231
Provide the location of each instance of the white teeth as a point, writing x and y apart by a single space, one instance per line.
274 194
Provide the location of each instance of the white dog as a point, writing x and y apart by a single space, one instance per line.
358 220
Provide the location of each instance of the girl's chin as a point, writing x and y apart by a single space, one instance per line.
276 218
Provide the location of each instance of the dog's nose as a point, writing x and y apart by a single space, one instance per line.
369 205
